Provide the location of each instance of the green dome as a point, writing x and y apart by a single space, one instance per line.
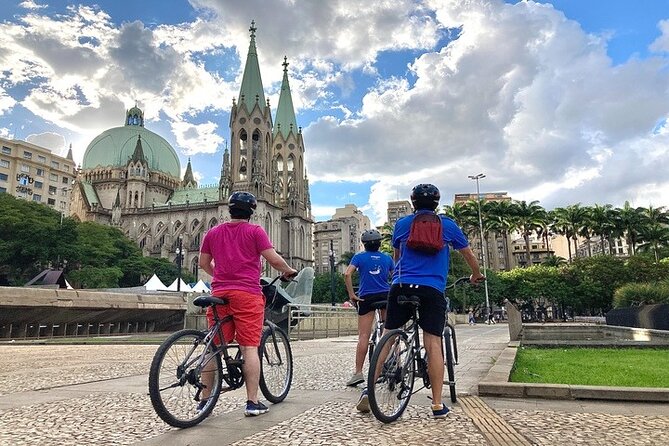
114 147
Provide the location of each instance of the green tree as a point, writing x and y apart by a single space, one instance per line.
529 217
321 293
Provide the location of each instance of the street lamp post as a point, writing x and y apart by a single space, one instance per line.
179 252
483 247
332 273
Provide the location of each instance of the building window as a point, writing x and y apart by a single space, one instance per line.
27 155
3 190
55 164
66 167
3 177
37 197
25 168
63 205
6 150
64 191
4 163
51 202
38 184
53 177
41 159
52 190
66 180
39 172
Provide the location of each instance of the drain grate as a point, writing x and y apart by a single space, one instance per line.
497 431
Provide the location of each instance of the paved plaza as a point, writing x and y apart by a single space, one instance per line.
97 394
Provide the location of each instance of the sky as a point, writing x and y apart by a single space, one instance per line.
562 101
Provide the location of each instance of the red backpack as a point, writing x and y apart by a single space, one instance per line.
426 234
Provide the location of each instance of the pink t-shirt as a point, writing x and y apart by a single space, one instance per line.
236 249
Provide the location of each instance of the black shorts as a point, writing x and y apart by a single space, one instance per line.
365 305
431 312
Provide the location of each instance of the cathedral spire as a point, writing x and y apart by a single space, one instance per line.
251 90
138 154
189 179
285 112
69 153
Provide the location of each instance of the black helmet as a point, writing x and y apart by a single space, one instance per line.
371 235
425 196
242 201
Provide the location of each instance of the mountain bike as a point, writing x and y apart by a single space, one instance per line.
397 361
190 363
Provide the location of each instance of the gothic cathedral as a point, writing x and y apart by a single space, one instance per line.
130 178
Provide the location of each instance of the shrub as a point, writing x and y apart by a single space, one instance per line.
641 294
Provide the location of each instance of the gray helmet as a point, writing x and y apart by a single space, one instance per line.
245 201
371 235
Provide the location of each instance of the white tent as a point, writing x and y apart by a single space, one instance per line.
184 286
67 285
155 284
201 287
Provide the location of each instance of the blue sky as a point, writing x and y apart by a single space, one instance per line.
563 101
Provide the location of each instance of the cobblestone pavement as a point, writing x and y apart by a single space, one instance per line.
97 394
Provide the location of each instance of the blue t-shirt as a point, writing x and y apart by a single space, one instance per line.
418 268
374 268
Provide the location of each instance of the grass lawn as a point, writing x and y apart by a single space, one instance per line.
620 367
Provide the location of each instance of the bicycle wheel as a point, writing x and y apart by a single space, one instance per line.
391 376
450 362
276 365
176 379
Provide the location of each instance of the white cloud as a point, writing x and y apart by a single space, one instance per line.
49 140
524 95
30 4
197 138
661 44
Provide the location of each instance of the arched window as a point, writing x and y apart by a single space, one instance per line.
195 224
194 266
279 163
256 141
291 163
213 222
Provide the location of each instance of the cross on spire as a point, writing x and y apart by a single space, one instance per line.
253 28
285 64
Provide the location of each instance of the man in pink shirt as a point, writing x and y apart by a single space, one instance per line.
230 254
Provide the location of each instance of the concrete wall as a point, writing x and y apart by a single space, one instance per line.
39 312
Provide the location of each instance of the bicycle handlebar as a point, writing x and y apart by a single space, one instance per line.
459 281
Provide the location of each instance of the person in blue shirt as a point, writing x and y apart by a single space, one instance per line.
375 268
424 275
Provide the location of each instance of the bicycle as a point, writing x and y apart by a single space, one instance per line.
377 331
176 376
397 361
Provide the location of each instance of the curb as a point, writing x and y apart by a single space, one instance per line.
496 383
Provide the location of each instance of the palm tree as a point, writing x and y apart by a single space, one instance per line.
553 260
529 217
653 232
653 237
387 238
502 221
630 222
602 220
570 220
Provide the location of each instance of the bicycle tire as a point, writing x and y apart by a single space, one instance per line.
450 364
173 391
395 379
276 365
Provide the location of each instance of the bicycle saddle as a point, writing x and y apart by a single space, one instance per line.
380 305
205 301
408 300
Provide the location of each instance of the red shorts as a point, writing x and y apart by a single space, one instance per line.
248 315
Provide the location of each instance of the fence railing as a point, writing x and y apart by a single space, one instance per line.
321 321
